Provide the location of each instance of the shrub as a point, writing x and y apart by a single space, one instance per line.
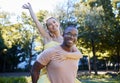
13 80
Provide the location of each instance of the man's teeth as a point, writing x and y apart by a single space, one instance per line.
70 41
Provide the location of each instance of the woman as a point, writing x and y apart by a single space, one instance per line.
51 38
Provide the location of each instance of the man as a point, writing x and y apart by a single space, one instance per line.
58 71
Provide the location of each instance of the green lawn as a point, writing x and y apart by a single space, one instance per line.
99 79
13 80
83 79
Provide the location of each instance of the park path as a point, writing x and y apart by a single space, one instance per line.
14 74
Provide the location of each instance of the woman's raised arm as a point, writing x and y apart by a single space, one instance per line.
38 24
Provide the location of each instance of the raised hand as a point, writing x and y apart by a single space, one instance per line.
26 6
41 30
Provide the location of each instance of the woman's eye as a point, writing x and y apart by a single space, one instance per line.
49 24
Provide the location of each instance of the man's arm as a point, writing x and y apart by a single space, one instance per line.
35 71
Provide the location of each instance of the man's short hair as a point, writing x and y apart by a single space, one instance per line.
70 26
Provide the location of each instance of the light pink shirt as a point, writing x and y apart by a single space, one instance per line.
58 71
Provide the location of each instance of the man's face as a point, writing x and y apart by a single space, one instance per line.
70 36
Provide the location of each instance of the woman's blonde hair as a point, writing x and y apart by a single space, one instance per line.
61 31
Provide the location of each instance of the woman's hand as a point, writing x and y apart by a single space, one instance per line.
63 55
26 6
60 55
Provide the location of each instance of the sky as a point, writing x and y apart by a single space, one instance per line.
15 6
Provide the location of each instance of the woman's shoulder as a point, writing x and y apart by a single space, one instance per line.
51 44
52 49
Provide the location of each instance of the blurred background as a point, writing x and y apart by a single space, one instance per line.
98 22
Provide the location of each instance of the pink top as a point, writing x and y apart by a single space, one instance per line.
58 71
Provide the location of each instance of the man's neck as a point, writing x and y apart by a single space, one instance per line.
68 49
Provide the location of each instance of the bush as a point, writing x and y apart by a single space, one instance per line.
13 80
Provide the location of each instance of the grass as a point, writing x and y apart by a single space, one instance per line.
13 80
99 79
83 79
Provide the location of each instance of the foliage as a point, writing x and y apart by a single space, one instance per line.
9 37
13 80
98 22
41 15
18 41
65 13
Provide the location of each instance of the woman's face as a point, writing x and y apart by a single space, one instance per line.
52 25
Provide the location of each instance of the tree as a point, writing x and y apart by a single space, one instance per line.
104 25
2 51
65 13
90 18
9 37
29 35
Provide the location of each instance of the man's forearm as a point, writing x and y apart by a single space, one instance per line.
35 71
35 76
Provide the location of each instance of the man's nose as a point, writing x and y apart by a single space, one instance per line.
72 36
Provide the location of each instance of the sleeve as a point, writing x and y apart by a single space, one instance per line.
44 57
75 54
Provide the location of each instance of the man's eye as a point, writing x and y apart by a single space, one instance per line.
75 35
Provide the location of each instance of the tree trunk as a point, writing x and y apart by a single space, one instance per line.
94 57
118 54
106 62
29 67
4 63
30 58
89 66
30 54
